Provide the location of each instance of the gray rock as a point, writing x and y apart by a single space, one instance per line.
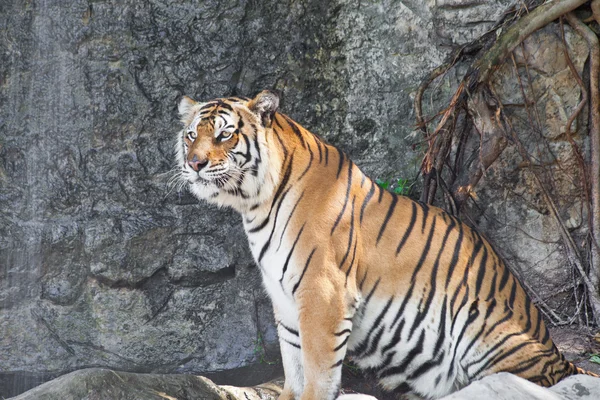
104 384
505 386
582 387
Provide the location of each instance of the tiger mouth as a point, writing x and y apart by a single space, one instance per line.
218 181
198 180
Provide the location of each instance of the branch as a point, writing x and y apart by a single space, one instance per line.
508 41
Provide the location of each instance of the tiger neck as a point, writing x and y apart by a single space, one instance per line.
270 177
287 148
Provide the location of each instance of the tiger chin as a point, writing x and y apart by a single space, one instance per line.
408 291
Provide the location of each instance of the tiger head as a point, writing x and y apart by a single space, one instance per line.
222 151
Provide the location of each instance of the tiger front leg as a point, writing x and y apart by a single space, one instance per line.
289 343
325 326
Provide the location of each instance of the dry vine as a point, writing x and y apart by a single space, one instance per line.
450 164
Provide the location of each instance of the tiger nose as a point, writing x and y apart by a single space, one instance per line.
197 164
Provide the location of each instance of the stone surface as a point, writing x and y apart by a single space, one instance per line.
101 262
104 384
100 384
512 210
505 386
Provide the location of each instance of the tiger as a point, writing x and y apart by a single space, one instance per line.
409 292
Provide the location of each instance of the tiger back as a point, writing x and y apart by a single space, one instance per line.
407 290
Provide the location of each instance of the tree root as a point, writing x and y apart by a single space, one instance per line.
479 110
592 41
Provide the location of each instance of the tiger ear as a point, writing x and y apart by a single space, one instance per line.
186 112
264 105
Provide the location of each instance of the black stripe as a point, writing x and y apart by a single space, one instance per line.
284 181
386 362
350 234
224 105
247 156
455 254
502 355
349 185
208 105
395 338
340 333
278 136
371 292
492 291
529 363
362 281
473 314
277 121
341 162
258 158
504 279
319 144
288 220
441 328
413 219
309 164
422 311
507 317
424 367
513 294
342 344
290 330
474 339
498 344
287 260
366 347
387 218
366 201
462 304
400 369
474 253
291 343
425 251
295 129
303 271
351 261
374 343
268 242
481 272
403 305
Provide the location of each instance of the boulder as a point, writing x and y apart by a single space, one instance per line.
505 386
105 384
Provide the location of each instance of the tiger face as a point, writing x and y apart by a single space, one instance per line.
221 150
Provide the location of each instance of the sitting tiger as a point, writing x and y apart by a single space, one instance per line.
409 291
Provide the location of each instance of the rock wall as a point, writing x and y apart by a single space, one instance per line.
101 263
540 95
